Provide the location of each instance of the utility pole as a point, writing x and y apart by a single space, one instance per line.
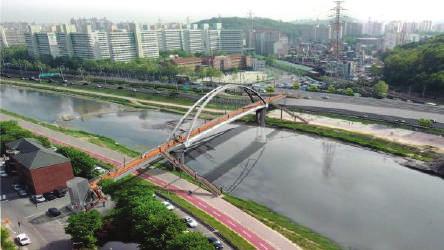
337 23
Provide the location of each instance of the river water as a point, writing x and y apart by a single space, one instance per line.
359 198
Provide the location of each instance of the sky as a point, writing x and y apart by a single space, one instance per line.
150 11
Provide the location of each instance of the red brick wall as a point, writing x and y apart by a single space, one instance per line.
48 178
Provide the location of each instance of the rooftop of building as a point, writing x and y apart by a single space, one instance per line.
33 155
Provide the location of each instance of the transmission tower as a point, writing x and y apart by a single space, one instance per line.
337 23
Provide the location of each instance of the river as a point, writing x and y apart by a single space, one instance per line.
358 198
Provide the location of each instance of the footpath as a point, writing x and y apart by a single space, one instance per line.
254 231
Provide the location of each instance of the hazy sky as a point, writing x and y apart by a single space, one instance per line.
49 11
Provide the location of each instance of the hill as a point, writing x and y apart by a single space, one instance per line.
292 30
418 67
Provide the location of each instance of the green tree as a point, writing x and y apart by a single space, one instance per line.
349 91
331 89
82 164
6 243
380 89
83 226
11 131
189 241
296 85
269 89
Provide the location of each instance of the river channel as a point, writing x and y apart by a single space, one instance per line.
358 198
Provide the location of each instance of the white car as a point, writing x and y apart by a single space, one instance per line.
168 205
38 198
23 239
191 222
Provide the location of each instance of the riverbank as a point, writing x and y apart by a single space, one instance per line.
363 140
132 99
422 140
92 138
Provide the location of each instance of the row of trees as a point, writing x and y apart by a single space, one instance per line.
82 164
11 131
139 217
16 57
417 67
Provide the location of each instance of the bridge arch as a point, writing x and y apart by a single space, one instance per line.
195 110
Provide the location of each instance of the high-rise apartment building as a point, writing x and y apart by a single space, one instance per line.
12 34
193 40
149 44
122 46
231 41
93 45
372 28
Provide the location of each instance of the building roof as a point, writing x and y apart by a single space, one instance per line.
24 145
40 158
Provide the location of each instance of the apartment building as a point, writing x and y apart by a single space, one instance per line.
131 43
122 46
93 45
194 40
231 41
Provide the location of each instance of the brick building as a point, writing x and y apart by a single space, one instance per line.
40 169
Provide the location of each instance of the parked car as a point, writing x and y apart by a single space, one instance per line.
18 187
3 197
191 222
22 193
60 192
38 198
23 239
49 196
215 242
3 173
168 205
53 212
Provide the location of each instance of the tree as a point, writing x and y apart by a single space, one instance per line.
349 91
331 89
11 131
269 89
380 89
82 164
189 241
296 85
6 243
83 226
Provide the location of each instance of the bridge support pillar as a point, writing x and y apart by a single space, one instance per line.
260 117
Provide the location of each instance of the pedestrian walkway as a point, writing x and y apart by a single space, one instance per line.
104 154
251 229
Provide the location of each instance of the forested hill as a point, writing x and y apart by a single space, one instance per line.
418 66
291 29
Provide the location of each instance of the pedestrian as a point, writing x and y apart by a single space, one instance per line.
190 192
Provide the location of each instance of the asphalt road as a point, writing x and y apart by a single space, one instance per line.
396 109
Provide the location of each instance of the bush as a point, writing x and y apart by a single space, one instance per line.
296 85
349 91
313 88
425 123
331 89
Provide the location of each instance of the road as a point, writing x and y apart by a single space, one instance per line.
349 105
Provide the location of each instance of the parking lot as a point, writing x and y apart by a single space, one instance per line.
45 232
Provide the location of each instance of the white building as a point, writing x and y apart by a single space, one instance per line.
149 44
122 46
93 45
194 40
